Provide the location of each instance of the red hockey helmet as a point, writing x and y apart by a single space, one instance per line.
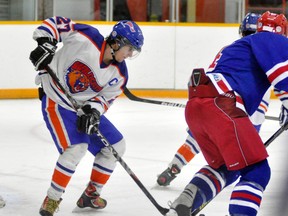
272 22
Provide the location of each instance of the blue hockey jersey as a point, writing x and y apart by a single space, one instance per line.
249 66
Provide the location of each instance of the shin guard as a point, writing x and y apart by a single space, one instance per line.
247 194
210 182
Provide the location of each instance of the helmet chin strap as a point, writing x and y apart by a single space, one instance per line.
113 54
112 51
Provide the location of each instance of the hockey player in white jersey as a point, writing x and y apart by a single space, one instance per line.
93 70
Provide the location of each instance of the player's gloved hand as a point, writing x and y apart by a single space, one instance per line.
88 119
283 117
44 52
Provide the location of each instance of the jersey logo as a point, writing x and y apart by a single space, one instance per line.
79 77
113 81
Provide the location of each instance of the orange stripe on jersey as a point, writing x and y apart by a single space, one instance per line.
284 93
124 78
105 107
56 124
60 178
264 107
54 30
57 86
185 151
99 177
102 52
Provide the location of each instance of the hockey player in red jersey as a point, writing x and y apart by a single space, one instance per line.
190 148
93 70
220 102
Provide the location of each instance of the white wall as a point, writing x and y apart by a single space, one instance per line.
168 56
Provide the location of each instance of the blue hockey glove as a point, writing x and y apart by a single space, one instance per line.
88 119
283 117
44 52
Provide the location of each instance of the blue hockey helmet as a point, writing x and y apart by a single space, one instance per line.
127 32
249 24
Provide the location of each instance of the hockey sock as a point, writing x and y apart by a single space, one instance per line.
186 152
105 163
187 197
210 182
247 194
65 168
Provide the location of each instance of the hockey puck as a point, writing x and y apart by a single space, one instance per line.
202 215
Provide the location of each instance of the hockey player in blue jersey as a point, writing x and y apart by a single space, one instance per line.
93 70
248 25
190 148
226 95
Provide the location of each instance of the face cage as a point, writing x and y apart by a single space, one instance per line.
125 42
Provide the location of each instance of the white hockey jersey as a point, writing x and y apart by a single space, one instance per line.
79 66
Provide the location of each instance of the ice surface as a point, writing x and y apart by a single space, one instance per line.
153 133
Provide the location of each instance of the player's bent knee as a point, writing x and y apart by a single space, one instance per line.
252 184
120 148
259 173
73 155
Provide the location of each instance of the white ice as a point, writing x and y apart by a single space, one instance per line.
153 133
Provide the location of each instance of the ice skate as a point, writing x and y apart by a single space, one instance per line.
180 210
91 198
2 202
168 175
49 206
182 205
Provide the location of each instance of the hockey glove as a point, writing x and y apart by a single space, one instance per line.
44 52
283 117
88 120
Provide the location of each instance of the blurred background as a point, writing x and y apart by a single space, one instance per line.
179 35
211 11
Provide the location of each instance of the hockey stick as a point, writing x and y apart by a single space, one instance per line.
274 118
162 210
266 144
133 97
